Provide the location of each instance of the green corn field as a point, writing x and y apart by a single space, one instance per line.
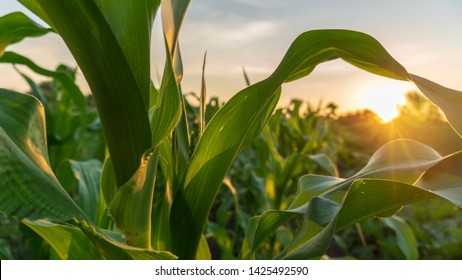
139 171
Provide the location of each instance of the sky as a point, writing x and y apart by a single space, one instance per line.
425 36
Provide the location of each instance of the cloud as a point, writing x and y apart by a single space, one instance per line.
249 32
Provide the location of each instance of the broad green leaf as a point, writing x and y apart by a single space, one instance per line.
35 7
315 233
108 183
208 166
64 79
245 115
445 179
181 142
87 174
112 250
448 100
103 219
132 204
356 199
173 12
68 242
325 162
15 27
261 227
36 91
203 252
121 103
405 237
365 198
130 21
310 186
165 117
402 160
162 202
28 189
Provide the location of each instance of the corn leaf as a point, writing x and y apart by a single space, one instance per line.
15 27
325 162
64 79
181 143
244 116
68 242
165 117
124 17
405 237
448 100
87 174
92 33
28 188
131 207
203 252
34 7
173 12
113 250
162 202
348 201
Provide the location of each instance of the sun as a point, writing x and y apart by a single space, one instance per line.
383 98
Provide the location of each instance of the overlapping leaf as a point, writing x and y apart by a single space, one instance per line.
113 250
67 83
84 242
131 207
15 27
243 117
345 202
68 242
28 187
107 57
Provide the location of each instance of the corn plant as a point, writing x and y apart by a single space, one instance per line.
154 195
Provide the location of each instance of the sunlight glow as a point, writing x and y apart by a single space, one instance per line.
384 97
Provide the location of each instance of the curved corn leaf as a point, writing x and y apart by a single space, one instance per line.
87 174
69 242
165 117
181 142
173 13
34 6
203 252
403 160
131 207
244 116
325 162
64 79
355 199
444 179
15 27
113 250
86 243
162 202
28 188
36 91
88 30
404 235
130 21
108 183
448 100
